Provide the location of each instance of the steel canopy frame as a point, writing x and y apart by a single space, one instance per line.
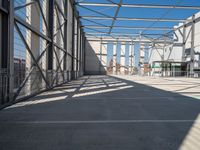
128 27
138 6
133 19
103 32
102 16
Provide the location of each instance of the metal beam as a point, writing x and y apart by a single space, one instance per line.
3 10
51 6
31 54
123 40
24 5
134 19
192 51
126 27
115 16
126 38
33 29
139 6
120 33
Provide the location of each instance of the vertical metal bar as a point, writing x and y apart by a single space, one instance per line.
192 46
77 47
80 51
184 42
51 33
65 35
5 35
73 45
100 56
131 56
79 54
11 50
84 53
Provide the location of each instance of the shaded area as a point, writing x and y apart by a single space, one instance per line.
102 112
93 64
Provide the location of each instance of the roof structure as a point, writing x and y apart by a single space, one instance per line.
125 19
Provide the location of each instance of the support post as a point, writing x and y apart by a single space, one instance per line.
51 35
192 47
65 40
73 45
184 42
11 50
100 56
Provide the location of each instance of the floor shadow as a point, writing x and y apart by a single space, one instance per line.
115 114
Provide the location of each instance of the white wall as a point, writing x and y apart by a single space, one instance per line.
155 54
94 63
197 34
175 52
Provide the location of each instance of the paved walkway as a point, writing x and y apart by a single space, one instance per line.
102 113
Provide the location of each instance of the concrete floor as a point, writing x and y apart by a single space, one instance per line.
107 113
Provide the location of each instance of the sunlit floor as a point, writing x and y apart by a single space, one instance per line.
107 113
184 86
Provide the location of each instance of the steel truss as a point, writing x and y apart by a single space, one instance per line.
54 74
97 31
102 16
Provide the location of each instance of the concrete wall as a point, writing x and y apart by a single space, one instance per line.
155 54
175 52
93 64
97 57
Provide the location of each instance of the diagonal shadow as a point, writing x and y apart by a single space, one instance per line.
138 117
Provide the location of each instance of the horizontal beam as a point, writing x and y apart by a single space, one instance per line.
125 27
123 34
126 40
134 37
113 33
134 19
139 6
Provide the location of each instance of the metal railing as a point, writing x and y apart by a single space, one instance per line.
4 85
188 74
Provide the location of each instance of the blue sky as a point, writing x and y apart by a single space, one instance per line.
139 13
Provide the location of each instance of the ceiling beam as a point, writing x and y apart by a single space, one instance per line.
126 27
120 33
109 39
139 6
133 19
